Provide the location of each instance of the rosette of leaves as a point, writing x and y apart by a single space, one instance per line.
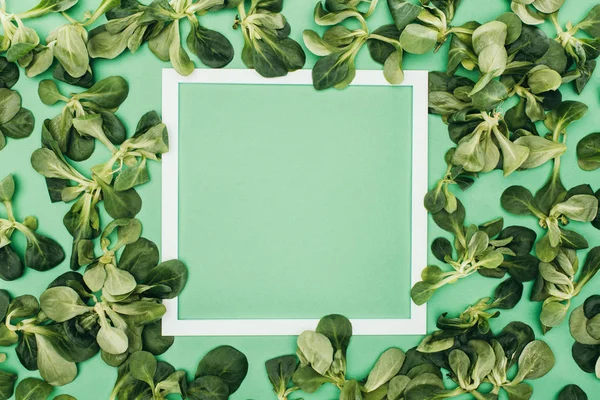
128 293
16 122
424 27
506 361
267 46
482 249
41 254
158 23
478 361
483 141
103 99
537 89
475 320
585 329
582 52
339 45
579 204
441 197
127 167
21 43
67 43
322 360
588 152
535 12
220 374
65 183
7 380
557 284
37 389
142 376
52 348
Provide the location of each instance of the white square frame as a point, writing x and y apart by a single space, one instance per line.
172 325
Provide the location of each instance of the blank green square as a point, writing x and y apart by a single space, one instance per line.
295 203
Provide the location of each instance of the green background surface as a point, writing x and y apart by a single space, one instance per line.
143 72
285 198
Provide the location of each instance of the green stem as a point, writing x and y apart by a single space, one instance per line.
393 42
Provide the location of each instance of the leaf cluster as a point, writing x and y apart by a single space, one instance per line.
505 361
7 379
475 320
489 249
220 373
113 181
67 44
16 122
41 254
114 308
102 99
584 324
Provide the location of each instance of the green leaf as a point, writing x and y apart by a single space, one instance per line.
337 329
513 24
7 384
112 340
386 368
280 371
521 391
70 49
154 341
582 207
54 369
48 92
591 23
403 12
42 253
591 306
591 266
586 356
508 294
139 258
10 104
143 367
548 6
572 392
553 314
541 150
211 47
418 39
588 152
392 69
62 304
491 34
330 71
9 73
32 389
125 204
208 388
118 282
7 189
567 113
308 380
578 327
519 201
227 363
109 93
535 361
351 391
317 350
168 278
543 79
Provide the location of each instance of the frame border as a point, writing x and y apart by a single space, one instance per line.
172 325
